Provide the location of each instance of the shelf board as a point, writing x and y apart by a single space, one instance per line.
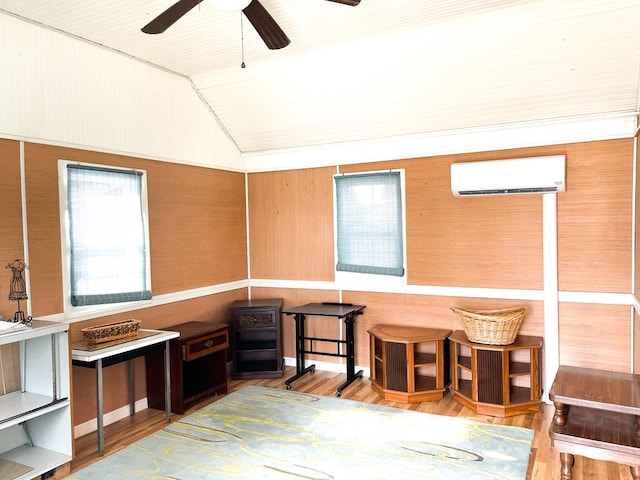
244 346
464 387
520 394
464 362
257 366
18 407
519 368
424 382
40 459
422 359
40 328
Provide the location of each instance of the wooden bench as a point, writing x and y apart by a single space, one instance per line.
597 416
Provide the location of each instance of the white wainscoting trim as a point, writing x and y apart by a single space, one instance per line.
109 418
155 301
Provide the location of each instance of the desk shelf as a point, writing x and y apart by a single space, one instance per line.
347 312
409 364
35 422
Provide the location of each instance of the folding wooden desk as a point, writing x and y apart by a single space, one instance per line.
345 311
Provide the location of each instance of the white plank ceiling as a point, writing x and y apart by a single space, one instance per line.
385 68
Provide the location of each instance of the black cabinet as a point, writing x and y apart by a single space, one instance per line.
256 346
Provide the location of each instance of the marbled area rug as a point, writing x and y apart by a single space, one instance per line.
267 433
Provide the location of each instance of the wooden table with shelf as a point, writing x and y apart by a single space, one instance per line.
484 377
597 415
409 364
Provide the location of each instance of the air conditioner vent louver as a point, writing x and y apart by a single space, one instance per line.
509 177
508 191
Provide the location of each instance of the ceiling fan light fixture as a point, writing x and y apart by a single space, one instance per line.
230 5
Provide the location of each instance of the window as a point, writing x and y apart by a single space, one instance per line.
369 223
108 254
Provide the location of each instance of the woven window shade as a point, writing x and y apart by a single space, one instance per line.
369 223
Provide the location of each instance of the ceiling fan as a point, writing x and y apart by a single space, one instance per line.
270 32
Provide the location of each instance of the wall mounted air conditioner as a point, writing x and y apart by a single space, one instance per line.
504 177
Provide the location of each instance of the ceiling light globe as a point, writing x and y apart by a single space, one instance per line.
230 5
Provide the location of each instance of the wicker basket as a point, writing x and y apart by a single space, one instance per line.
111 331
491 327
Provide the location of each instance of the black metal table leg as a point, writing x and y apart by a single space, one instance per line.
351 355
300 360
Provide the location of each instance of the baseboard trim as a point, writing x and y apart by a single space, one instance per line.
108 418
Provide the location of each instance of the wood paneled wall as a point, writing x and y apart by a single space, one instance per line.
596 336
291 224
198 238
496 242
636 341
197 226
486 242
636 200
636 292
595 222
197 223
480 241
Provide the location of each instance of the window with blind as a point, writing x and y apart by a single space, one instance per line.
369 223
107 235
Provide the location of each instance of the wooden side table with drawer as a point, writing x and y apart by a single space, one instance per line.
198 365
256 348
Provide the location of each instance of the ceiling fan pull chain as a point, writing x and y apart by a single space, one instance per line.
242 65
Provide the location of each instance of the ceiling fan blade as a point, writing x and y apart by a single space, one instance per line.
351 3
170 16
266 26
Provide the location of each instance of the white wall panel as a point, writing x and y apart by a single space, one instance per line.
553 132
59 89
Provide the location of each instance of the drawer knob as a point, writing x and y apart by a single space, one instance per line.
208 343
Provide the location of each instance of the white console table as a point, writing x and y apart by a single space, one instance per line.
95 356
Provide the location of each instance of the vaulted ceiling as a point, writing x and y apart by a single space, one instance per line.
385 68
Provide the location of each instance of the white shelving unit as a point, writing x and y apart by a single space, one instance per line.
35 422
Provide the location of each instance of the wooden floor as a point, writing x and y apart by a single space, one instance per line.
546 464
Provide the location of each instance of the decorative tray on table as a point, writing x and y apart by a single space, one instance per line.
111 331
